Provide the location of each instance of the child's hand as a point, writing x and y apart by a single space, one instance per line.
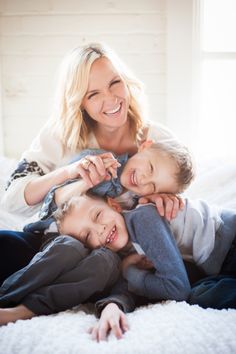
145 264
139 260
112 320
167 205
93 168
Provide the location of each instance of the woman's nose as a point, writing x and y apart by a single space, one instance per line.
110 97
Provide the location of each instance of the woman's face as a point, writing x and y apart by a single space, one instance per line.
107 97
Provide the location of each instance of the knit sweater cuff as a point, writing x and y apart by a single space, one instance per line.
135 278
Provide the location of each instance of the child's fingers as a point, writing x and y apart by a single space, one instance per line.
124 322
116 330
160 206
143 200
175 207
181 203
103 331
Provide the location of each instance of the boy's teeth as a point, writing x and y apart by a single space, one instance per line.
133 179
114 110
110 238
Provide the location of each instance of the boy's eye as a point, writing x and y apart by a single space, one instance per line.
151 168
97 215
86 239
154 187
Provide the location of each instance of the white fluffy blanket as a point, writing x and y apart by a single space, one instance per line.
168 327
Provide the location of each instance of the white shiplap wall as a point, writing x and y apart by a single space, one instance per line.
36 34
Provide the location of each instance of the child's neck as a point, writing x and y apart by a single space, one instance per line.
126 250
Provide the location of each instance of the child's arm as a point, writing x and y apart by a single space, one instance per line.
120 301
112 320
102 167
169 281
168 205
64 193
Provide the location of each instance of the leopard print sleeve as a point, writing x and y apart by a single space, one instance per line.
24 169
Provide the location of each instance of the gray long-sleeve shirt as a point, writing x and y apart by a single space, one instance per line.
168 280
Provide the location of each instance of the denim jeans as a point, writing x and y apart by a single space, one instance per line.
16 251
218 292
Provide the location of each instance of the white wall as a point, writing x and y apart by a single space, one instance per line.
36 34
181 67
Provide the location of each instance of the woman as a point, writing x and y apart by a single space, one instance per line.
99 105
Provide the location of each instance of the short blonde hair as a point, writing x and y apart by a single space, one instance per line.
181 157
72 124
64 209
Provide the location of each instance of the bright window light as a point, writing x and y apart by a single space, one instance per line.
217 122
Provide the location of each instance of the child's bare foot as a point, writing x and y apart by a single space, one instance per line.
13 314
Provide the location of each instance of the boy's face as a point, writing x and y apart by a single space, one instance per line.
150 171
96 224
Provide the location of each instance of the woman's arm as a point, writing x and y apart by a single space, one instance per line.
44 156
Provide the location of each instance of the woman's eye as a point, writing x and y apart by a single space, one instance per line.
92 95
115 82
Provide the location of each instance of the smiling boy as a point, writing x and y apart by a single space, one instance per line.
163 167
97 225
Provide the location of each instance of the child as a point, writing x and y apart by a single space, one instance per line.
48 227
205 235
97 225
164 167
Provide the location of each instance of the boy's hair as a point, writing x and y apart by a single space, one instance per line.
64 209
181 156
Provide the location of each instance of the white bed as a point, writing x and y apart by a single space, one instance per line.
168 327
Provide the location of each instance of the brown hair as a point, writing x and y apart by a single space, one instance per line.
182 158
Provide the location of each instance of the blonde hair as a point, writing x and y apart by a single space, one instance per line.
67 207
182 158
71 123
64 209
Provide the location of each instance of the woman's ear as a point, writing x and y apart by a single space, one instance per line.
114 204
145 145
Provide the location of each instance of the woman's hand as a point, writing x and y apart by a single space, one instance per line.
140 261
94 168
112 320
167 205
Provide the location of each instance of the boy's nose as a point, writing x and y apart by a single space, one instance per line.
143 179
101 230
